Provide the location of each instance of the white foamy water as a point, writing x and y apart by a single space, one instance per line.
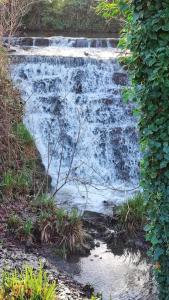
62 42
86 135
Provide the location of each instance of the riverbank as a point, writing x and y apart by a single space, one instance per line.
13 258
23 186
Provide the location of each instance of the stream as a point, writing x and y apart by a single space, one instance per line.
118 274
88 141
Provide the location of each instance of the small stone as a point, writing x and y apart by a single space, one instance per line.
97 244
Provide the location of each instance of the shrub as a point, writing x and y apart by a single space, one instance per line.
27 285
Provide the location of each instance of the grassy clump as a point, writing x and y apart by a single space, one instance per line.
23 134
27 285
14 182
14 222
44 202
49 224
27 228
8 180
132 214
57 225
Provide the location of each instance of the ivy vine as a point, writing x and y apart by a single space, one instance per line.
148 40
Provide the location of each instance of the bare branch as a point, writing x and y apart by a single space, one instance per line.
11 15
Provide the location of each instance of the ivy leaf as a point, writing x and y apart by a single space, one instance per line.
157 253
155 241
163 164
165 27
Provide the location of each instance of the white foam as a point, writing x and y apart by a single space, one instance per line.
65 90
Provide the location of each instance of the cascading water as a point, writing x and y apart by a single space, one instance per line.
61 41
88 140
85 133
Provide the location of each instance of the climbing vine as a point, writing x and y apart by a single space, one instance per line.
148 41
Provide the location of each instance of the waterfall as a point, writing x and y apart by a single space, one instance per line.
85 133
61 41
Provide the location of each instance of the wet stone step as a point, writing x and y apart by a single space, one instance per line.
41 42
63 42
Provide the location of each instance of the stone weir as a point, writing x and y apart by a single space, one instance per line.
64 42
82 128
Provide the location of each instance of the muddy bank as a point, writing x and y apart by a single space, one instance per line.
115 264
111 263
12 257
110 230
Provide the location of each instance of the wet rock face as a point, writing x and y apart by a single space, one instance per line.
113 42
81 43
120 78
27 42
53 105
41 42
93 44
78 82
39 86
121 149
66 88
68 42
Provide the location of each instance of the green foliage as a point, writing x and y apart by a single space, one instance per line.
74 216
147 38
111 9
45 202
68 15
54 224
20 180
132 214
60 215
14 222
27 228
23 134
61 227
29 284
23 179
8 180
149 69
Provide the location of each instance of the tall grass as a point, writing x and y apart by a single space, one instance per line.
132 214
27 285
